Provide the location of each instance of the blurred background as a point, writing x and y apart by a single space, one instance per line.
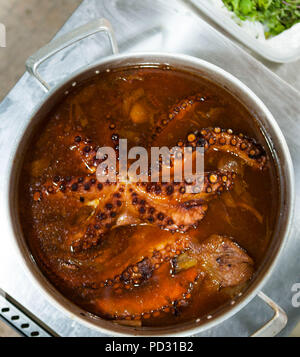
30 24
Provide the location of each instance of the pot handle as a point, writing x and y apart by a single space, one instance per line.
16 321
276 324
91 28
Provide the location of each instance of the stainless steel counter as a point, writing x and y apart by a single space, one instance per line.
171 26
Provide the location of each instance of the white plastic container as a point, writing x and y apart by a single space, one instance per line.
282 48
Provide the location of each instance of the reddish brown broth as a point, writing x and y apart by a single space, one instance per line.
100 101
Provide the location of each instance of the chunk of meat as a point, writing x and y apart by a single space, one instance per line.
225 261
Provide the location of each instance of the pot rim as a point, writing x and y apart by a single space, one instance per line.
32 270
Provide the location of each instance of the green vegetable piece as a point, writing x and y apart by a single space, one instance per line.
264 4
235 4
246 6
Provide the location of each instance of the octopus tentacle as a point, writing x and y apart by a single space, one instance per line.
86 187
99 205
169 206
188 104
87 150
217 258
105 216
172 206
167 291
225 140
128 265
176 113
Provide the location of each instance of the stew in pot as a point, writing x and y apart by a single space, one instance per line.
148 253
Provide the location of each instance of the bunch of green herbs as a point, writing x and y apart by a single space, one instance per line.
276 15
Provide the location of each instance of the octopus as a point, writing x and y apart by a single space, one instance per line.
169 274
155 270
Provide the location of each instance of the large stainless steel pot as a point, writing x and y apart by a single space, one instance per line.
273 136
